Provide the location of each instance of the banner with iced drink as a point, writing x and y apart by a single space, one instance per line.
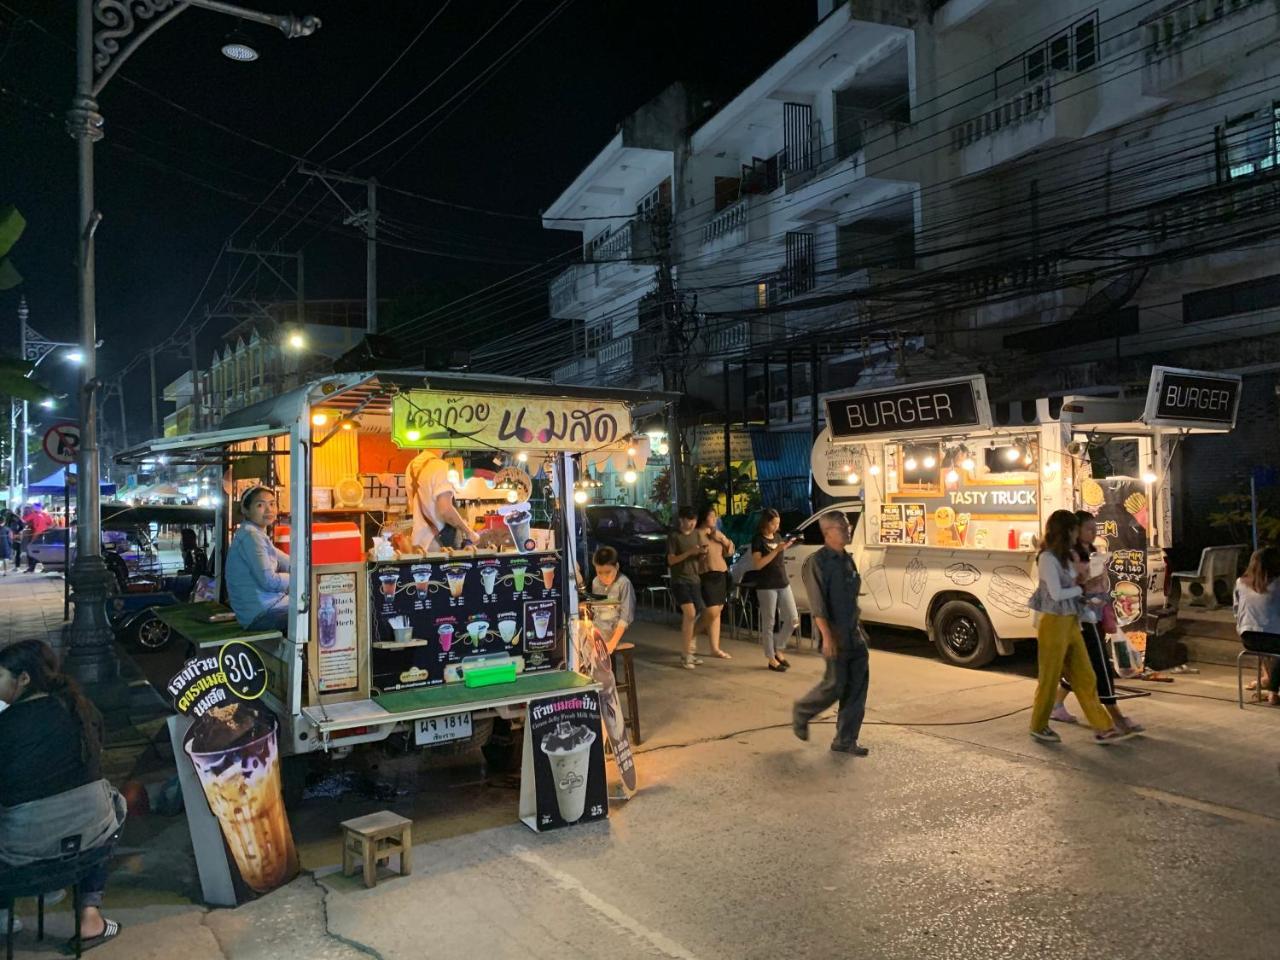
563 748
232 749
430 616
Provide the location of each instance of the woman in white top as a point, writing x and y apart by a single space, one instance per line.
1060 644
1257 609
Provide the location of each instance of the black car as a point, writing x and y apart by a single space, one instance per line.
639 537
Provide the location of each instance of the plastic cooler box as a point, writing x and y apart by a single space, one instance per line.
330 542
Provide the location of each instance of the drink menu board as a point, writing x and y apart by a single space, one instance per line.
431 618
339 663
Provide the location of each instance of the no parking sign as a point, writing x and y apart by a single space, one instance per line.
62 442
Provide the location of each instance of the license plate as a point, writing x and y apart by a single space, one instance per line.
433 730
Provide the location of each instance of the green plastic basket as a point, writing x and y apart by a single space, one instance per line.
488 676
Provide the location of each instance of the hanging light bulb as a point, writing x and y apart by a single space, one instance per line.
910 463
511 496
953 476
874 469
1012 454
930 462
854 478
319 418
663 448
968 465
1149 476
522 457
631 451
413 436
346 424
580 497
629 477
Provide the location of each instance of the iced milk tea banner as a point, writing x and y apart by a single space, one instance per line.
468 421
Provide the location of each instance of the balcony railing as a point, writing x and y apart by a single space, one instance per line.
1030 103
642 238
728 221
563 291
1170 28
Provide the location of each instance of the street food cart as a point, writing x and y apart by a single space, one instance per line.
956 490
385 638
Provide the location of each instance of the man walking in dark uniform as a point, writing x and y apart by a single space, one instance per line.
832 583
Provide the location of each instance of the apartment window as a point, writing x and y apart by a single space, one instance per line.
1249 144
598 336
1071 51
801 273
762 295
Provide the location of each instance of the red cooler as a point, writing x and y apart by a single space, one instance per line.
330 542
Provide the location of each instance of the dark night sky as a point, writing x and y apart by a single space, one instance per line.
168 184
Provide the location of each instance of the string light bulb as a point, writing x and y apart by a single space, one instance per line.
930 462
511 496
629 477
631 451
953 476
413 436
522 457
910 463
968 464
1012 454
346 424
663 448
874 470
1149 476
319 418
580 497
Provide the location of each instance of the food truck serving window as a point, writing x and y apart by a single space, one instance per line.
983 496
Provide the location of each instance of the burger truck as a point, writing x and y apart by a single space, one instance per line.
955 492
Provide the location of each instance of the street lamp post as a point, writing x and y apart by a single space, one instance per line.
35 348
107 34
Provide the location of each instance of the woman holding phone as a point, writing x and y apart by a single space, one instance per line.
773 590
714 574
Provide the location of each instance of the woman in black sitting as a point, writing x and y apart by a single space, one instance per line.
194 559
51 785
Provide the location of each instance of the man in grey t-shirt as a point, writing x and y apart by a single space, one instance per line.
684 551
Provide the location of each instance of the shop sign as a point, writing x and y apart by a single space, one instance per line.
564 749
1190 398
461 421
937 407
708 445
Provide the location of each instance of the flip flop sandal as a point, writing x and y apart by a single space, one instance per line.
109 932
721 654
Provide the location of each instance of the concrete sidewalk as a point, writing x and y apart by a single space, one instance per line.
31 606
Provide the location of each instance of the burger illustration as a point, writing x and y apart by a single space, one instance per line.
1010 589
1091 493
944 517
1127 601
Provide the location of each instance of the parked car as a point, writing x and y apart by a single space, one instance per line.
639 537
128 549
810 542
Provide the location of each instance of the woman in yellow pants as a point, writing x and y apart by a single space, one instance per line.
1060 643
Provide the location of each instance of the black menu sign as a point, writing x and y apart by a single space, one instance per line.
1190 398
910 409
431 616
1124 517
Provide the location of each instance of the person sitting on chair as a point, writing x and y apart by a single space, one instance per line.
195 560
51 786
257 570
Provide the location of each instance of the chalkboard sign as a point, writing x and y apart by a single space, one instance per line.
430 617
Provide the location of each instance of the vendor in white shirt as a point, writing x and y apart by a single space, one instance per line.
437 524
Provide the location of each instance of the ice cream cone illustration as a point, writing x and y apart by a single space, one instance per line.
962 524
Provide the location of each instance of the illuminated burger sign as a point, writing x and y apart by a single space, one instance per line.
941 406
1190 398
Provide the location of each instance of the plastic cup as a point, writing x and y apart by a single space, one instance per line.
388 582
478 630
508 630
445 633
518 523
421 578
489 578
569 768
456 576
548 569
541 621
519 568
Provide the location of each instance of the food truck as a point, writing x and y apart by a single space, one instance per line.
955 491
386 636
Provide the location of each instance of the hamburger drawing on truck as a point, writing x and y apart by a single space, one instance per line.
950 493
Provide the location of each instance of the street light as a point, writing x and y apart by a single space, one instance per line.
238 48
107 34
296 341
76 356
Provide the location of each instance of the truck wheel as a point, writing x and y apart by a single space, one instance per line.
963 634
149 634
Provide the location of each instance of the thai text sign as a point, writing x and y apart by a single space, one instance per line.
462 421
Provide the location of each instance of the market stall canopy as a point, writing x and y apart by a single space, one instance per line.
56 484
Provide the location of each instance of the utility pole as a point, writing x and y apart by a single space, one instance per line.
25 480
155 399
366 220
124 423
195 384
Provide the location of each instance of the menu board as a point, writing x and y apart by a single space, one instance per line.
902 523
1123 513
336 632
431 617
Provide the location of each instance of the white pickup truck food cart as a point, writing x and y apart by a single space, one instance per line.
383 646
954 495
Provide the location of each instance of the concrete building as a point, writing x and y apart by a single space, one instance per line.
1055 194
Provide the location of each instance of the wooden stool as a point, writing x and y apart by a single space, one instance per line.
626 682
374 839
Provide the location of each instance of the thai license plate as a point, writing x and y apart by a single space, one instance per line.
433 730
